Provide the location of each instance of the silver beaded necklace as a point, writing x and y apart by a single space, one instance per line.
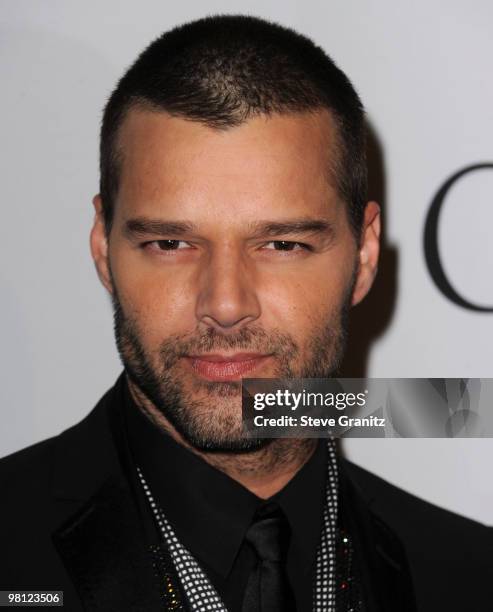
200 593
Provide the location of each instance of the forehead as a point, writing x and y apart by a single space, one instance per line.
266 161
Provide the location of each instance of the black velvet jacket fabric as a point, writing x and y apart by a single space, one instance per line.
70 520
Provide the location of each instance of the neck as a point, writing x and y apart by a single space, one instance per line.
264 471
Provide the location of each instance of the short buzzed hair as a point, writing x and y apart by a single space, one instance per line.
223 70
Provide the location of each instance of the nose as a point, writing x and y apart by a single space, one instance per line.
227 298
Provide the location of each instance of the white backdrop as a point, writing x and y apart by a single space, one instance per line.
423 71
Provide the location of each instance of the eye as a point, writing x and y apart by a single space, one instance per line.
165 245
286 245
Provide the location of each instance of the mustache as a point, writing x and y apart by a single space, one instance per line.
248 339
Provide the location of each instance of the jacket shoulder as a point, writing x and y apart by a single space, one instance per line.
25 466
449 555
431 534
383 493
42 486
33 465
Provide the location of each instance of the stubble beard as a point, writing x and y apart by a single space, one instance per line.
208 414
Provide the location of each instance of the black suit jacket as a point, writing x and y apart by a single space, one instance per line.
69 521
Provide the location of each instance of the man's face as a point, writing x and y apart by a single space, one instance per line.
230 256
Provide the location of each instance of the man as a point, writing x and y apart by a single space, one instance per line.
233 234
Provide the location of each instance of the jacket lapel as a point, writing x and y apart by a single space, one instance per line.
105 554
385 571
102 543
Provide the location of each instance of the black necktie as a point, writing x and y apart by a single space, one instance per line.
267 588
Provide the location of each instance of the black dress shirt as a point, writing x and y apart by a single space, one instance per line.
211 513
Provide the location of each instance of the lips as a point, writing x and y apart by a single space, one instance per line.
226 367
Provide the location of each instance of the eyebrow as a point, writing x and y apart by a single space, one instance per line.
272 229
141 226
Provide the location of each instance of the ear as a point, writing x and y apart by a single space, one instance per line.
368 252
99 245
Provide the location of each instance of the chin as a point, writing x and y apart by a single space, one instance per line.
229 446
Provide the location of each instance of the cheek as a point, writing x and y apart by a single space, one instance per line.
159 304
304 302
